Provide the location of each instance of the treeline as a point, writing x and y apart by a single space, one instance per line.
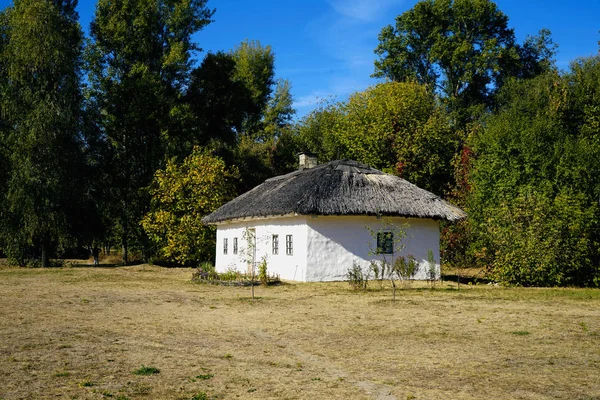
121 139
87 124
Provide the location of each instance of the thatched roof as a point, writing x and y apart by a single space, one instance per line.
340 187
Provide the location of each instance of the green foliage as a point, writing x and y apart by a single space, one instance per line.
40 99
432 273
405 269
207 266
230 275
395 127
461 48
263 275
181 195
534 207
384 266
357 278
143 370
139 60
240 111
540 241
380 270
219 102
254 67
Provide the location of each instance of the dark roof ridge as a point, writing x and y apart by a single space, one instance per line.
340 187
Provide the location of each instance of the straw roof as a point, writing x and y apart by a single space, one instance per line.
342 187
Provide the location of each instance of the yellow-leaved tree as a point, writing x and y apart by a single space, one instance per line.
182 194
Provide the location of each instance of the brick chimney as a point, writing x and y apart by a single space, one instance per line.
307 160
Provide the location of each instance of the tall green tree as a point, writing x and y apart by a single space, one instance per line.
534 206
140 60
255 69
41 110
462 49
396 127
218 101
182 194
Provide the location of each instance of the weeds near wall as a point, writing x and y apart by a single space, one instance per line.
405 269
263 275
386 267
357 278
233 278
432 275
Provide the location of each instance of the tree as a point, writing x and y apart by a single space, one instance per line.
140 60
219 102
395 127
255 68
534 206
461 49
41 104
181 195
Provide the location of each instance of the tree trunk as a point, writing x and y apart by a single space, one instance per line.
44 255
125 259
124 240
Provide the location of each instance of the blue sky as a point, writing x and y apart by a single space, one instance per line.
325 47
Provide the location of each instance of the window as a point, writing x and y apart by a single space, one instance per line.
235 247
224 245
385 242
289 245
275 244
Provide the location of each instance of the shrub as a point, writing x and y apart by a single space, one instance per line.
229 275
431 268
263 277
404 269
356 277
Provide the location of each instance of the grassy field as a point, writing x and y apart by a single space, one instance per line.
148 332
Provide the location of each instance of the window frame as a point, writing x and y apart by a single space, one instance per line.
275 244
289 245
225 245
235 245
385 242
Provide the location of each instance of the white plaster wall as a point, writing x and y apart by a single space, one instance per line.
324 247
290 267
336 242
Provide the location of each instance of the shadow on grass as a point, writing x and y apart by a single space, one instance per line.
98 266
465 280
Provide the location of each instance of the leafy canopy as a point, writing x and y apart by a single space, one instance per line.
182 194
461 49
40 101
395 127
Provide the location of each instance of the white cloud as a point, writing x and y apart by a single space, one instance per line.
365 10
311 101
345 39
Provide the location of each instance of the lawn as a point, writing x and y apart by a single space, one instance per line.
148 332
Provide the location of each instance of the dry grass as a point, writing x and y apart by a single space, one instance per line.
83 332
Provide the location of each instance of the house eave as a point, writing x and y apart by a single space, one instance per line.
295 214
253 218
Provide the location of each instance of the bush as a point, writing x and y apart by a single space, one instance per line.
356 277
538 241
404 269
431 272
263 276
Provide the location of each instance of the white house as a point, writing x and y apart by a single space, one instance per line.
313 224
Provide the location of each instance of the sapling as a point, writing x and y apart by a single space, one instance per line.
389 241
432 275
